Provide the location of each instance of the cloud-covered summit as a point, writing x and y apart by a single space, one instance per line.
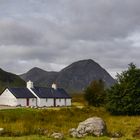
51 34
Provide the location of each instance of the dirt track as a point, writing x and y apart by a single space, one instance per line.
7 107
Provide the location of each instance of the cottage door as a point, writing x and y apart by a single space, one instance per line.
65 102
54 102
27 101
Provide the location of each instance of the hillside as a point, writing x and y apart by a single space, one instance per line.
40 77
10 80
74 77
79 74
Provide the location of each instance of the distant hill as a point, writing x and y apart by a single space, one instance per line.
80 74
74 77
10 80
40 77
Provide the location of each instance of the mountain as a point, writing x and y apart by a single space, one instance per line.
40 77
10 80
80 74
74 77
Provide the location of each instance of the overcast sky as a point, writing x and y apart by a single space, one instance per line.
52 34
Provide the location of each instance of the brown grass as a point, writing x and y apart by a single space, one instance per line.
26 121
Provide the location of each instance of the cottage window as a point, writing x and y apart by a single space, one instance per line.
59 100
46 99
33 99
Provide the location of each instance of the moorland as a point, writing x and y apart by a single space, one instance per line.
38 124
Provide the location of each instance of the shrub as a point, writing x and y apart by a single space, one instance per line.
95 93
124 97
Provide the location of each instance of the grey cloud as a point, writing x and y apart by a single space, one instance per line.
14 33
52 34
103 20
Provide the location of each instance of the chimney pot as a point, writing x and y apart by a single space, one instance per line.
54 86
30 84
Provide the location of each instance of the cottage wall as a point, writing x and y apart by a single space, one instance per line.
33 102
7 98
60 102
68 102
63 102
23 102
45 102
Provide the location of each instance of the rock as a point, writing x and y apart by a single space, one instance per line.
1 130
80 135
45 132
32 106
42 131
73 132
117 134
58 136
114 139
36 107
92 126
95 126
19 105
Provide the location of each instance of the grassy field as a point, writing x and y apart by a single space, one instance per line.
45 138
37 124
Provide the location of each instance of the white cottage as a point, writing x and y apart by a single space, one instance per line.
17 96
35 96
50 96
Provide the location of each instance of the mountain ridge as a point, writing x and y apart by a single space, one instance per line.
75 77
8 79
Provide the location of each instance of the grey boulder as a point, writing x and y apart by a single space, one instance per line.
58 136
1 131
92 126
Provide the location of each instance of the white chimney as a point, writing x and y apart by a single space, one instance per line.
54 86
30 84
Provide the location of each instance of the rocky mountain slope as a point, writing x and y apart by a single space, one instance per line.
40 77
10 80
74 77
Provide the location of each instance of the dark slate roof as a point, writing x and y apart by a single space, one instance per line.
43 92
21 92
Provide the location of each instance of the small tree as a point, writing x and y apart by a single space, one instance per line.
95 93
124 96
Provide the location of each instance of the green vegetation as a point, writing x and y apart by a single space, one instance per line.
124 96
78 100
45 138
95 93
21 122
123 99
9 80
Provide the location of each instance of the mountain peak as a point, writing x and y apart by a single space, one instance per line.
82 64
85 61
74 77
36 69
